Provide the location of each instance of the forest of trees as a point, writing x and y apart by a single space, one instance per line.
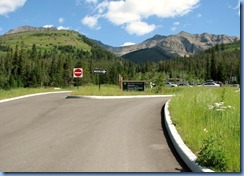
22 67
220 63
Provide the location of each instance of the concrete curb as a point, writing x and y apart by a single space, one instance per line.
185 153
31 95
121 97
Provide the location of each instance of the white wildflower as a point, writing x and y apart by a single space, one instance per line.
210 107
219 104
219 109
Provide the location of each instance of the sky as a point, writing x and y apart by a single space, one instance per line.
124 22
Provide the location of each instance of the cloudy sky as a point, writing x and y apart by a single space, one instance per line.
123 22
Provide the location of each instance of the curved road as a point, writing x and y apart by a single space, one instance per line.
50 133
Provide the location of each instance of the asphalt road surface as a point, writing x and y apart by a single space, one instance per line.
50 133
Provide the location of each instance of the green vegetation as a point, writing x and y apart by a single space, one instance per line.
46 40
47 59
4 94
23 63
106 90
219 63
208 120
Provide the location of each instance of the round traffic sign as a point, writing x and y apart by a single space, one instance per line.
78 72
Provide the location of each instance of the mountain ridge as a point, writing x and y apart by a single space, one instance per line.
27 28
158 47
178 45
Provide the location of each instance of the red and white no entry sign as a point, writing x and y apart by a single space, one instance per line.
78 73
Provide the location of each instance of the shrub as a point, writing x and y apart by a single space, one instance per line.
212 155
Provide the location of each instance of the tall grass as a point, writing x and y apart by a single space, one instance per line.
197 117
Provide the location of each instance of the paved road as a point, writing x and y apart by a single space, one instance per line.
49 133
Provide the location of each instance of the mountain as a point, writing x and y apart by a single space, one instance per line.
45 38
156 48
40 57
166 47
29 29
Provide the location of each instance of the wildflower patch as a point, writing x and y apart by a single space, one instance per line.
219 106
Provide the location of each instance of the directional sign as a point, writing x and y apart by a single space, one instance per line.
99 71
78 72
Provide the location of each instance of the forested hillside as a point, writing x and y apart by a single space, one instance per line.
220 63
47 58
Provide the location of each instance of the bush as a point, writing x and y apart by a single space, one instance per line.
212 155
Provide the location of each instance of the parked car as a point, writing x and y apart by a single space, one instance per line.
211 84
170 84
184 84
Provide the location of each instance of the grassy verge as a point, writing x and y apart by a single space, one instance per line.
208 120
22 91
106 90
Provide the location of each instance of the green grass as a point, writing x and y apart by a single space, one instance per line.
106 90
195 118
4 94
45 39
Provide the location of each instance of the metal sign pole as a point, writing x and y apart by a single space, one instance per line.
99 84
99 72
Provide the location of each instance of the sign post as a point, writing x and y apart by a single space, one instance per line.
78 73
99 72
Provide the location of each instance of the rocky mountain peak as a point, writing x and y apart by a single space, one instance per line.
28 29
181 44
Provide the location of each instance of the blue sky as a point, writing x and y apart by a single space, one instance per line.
119 22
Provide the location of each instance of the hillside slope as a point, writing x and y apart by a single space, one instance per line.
37 57
44 38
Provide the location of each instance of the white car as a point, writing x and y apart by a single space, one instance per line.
211 84
169 84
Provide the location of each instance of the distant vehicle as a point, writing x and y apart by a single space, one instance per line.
211 84
170 84
184 84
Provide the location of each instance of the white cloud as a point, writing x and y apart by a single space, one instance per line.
128 13
91 1
199 15
101 7
48 26
7 6
61 20
62 28
91 22
238 7
128 44
175 25
139 28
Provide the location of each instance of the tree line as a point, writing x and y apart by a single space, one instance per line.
219 63
23 67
